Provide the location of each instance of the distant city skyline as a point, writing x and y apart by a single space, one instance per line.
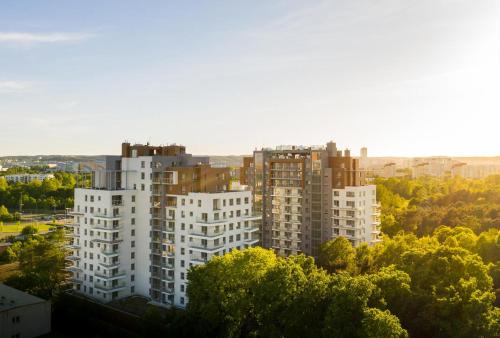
402 78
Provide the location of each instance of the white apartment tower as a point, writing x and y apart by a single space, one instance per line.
154 212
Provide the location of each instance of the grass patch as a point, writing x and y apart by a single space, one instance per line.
7 270
13 229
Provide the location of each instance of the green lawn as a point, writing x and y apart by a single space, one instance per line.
12 229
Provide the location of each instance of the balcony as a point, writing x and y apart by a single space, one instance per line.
212 221
73 268
73 246
113 240
109 275
110 288
207 234
169 278
112 217
110 252
75 213
251 229
108 229
199 261
167 290
207 248
251 241
167 266
72 225
110 265
73 258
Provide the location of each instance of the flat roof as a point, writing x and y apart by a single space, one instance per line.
11 298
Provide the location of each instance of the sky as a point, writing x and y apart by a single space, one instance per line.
403 78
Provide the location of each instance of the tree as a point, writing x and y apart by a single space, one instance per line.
381 324
349 315
41 261
488 245
451 293
364 258
29 230
337 255
219 291
4 214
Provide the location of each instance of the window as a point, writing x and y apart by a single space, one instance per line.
132 266
182 275
133 210
246 200
133 198
143 164
182 300
143 187
132 244
182 287
182 263
199 203
143 176
132 232
132 255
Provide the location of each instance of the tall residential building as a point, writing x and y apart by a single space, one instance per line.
308 195
150 215
363 158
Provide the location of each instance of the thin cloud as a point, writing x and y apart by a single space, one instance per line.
14 86
20 37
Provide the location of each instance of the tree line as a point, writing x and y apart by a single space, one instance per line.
49 194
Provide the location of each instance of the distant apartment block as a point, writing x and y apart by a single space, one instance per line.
388 170
147 217
27 178
308 195
474 170
431 166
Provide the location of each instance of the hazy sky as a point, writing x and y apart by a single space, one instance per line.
402 77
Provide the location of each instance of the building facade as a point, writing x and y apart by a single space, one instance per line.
154 212
27 178
23 315
293 187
